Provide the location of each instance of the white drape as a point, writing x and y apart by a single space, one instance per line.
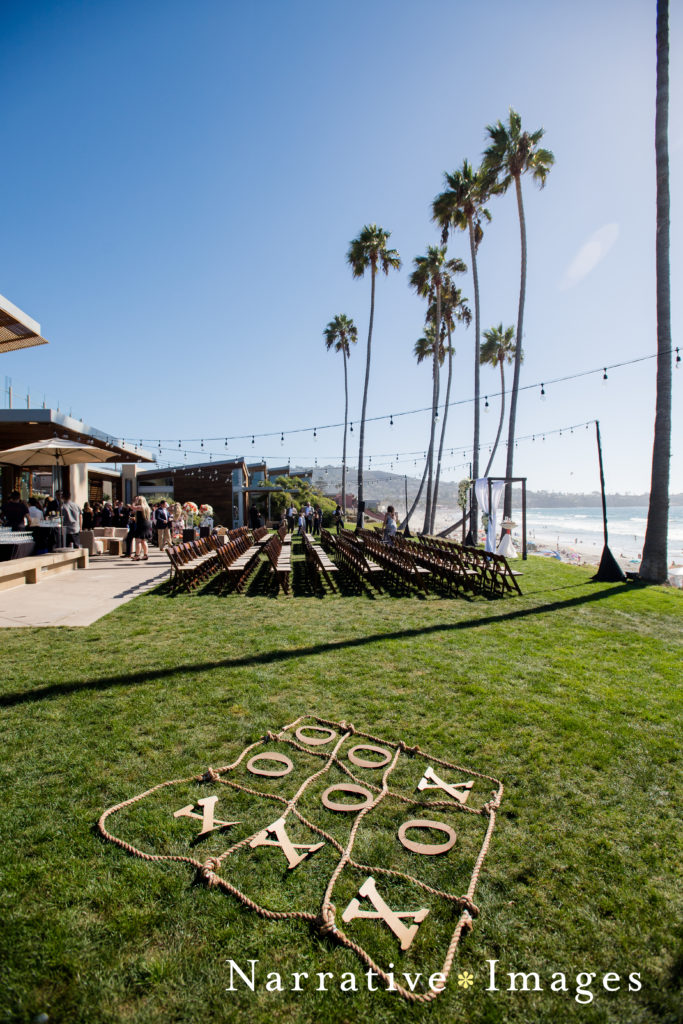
481 490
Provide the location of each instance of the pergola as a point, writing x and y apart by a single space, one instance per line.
17 329
514 480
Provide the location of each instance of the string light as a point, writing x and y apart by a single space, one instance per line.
604 374
486 403
391 418
678 358
542 392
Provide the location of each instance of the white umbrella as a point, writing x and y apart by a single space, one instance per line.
55 451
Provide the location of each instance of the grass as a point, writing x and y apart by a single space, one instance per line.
570 695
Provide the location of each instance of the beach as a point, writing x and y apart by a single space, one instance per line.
575 535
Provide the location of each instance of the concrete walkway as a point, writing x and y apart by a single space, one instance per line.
82 596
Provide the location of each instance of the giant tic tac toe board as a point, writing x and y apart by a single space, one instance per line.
375 843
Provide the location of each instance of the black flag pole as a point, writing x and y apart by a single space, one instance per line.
609 570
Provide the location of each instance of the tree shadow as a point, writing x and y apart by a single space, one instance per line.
333 647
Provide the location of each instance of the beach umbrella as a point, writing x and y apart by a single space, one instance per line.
55 451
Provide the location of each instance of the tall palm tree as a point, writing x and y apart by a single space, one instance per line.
498 349
427 278
453 307
338 334
654 564
423 349
369 249
512 153
461 206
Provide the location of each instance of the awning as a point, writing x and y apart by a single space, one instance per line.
17 329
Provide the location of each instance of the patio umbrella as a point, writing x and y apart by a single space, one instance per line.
55 451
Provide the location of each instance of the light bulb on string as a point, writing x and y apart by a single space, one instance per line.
486 403
604 376
543 392
202 444
282 438
315 433
351 426
678 358
391 418
179 444
252 439
226 442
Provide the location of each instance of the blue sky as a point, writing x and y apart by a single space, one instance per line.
181 184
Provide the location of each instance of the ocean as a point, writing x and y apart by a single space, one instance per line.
572 527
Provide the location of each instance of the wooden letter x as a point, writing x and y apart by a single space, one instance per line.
284 842
458 790
208 805
391 917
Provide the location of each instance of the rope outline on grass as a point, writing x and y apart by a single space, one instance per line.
325 920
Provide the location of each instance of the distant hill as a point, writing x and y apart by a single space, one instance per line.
389 488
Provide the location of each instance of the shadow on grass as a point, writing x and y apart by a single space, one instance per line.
269 657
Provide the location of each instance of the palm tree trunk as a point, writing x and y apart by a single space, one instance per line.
654 565
435 409
500 421
346 420
507 504
361 443
417 497
474 521
443 431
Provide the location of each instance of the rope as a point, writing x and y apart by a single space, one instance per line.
325 920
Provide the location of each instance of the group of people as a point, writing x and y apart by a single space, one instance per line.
307 519
159 523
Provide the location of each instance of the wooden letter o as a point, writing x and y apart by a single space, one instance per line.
345 787
314 741
270 757
428 849
354 759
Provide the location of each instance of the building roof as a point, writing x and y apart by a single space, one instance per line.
180 468
17 329
20 426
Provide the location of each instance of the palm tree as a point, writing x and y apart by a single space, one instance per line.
423 349
453 307
369 250
338 334
461 206
498 349
654 564
511 154
427 278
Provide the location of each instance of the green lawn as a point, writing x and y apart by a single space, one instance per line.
570 695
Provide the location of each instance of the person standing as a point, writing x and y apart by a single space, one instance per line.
163 525
15 512
72 521
337 518
142 531
389 525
